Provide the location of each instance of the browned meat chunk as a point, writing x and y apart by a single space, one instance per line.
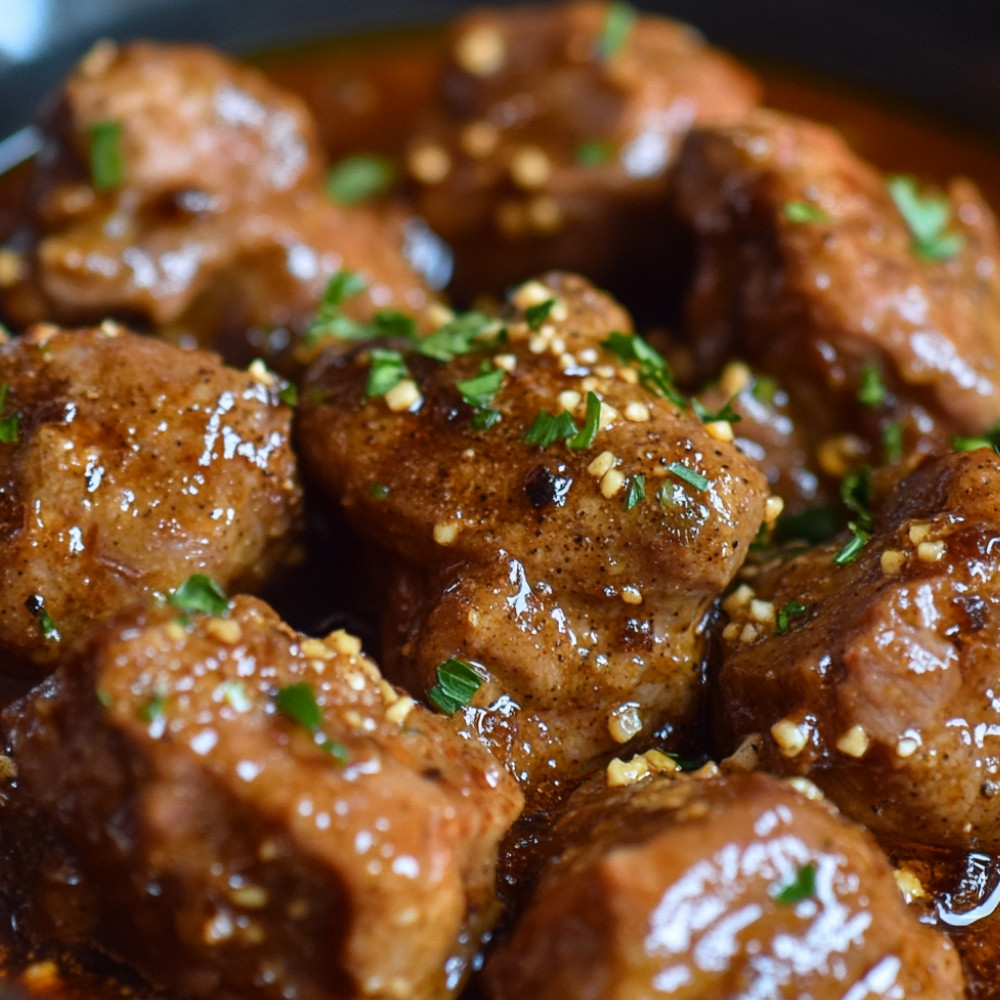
240 811
878 679
710 886
558 128
183 190
874 304
126 466
574 572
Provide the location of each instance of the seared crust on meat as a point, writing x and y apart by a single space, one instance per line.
554 136
240 811
883 688
133 465
710 885
582 607
808 270
218 229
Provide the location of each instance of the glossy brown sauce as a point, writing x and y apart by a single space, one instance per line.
366 94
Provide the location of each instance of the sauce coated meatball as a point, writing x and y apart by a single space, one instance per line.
240 811
575 570
708 887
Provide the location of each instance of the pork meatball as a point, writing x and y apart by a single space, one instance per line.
874 302
553 520
711 886
554 135
126 466
877 677
240 811
181 190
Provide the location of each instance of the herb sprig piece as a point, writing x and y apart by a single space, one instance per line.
199 593
10 426
479 393
298 703
618 24
357 178
800 888
927 216
654 372
457 684
107 163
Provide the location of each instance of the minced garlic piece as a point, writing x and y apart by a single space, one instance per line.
481 51
854 743
790 736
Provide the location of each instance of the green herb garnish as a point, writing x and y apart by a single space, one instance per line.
788 611
618 25
892 442
288 394
988 439
584 438
871 390
479 392
727 413
379 491
537 314
859 539
654 372
856 492
804 211
107 164
388 369
457 684
689 476
594 152
547 429
360 177
10 426
927 218
764 389
462 335
155 708
815 525
636 492
800 888
330 320
199 593
298 702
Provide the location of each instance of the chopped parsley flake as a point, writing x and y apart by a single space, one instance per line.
689 476
107 164
927 217
379 491
357 178
536 315
155 708
618 25
388 369
462 335
457 683
10 426
654 372
856 492
727 413
804 211
815 525
103 696
479 392
200 593
859 539
988 439
288 394
764 389
892 442
584 438
330 320
636 492
298 702
800 888
594 152
547 429
788 611
871 390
